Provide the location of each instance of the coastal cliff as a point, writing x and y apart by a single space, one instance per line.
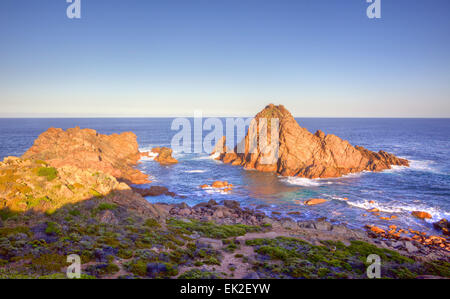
301 153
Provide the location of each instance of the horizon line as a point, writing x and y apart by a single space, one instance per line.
209 116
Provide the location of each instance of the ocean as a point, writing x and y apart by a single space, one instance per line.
424 186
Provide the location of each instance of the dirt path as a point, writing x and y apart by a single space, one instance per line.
236 267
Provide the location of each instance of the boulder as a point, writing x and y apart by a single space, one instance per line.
421 215
164 155
443 225
232 204
154 191
410 247
315 201
377 230
219 184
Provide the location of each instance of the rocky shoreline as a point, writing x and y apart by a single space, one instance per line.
69 194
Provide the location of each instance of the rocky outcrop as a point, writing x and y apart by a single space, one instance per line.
164 156
115 154
299 152
443 225
315 201
224 185
154 191
35 185
421 215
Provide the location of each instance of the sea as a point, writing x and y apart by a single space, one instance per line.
424 186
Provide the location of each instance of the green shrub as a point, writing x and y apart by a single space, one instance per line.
49 172
52 229
95 193
75 212
150 222
106 206
211 229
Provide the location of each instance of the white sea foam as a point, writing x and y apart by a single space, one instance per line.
339 198
435 212
195 171
211 190
305 182
151 157
207 157
424 165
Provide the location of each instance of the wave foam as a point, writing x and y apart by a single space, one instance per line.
424 165
207 157
195 171
304 182
151 157
435 212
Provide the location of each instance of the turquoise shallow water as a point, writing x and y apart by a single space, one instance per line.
424 186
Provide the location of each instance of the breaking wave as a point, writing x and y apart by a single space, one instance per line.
305 182
195 171
435 212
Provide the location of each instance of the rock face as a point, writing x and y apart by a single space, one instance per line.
33 184
301 153
115 154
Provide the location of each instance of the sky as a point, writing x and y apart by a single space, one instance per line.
319 58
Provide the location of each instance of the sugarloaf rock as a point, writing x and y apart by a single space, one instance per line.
301 153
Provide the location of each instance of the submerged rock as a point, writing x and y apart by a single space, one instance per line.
297 152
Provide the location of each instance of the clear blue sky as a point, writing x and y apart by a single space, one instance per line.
320 58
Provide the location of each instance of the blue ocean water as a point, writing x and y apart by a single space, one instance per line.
424 186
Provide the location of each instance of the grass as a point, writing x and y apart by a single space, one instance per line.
106 206
210 229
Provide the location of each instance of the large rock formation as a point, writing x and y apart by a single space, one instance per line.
164 155
115 154
301 153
